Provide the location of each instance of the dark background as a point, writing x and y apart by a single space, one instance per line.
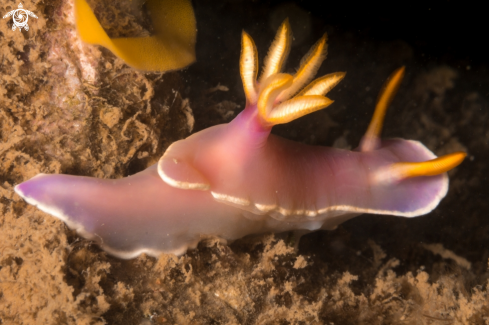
448 31
369 42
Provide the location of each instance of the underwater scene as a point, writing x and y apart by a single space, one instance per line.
242 162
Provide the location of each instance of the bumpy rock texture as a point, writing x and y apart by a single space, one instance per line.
66 107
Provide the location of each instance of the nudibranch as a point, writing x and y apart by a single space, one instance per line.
171 47
236 179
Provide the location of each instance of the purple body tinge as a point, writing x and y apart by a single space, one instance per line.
266 174
236 179
141 213
257 183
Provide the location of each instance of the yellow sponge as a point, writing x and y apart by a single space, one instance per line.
171 47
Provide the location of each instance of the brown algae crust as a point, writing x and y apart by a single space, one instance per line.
66 107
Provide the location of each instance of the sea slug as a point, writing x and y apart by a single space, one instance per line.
236 179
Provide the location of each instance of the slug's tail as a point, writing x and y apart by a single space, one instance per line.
171 47
273 93
402 170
